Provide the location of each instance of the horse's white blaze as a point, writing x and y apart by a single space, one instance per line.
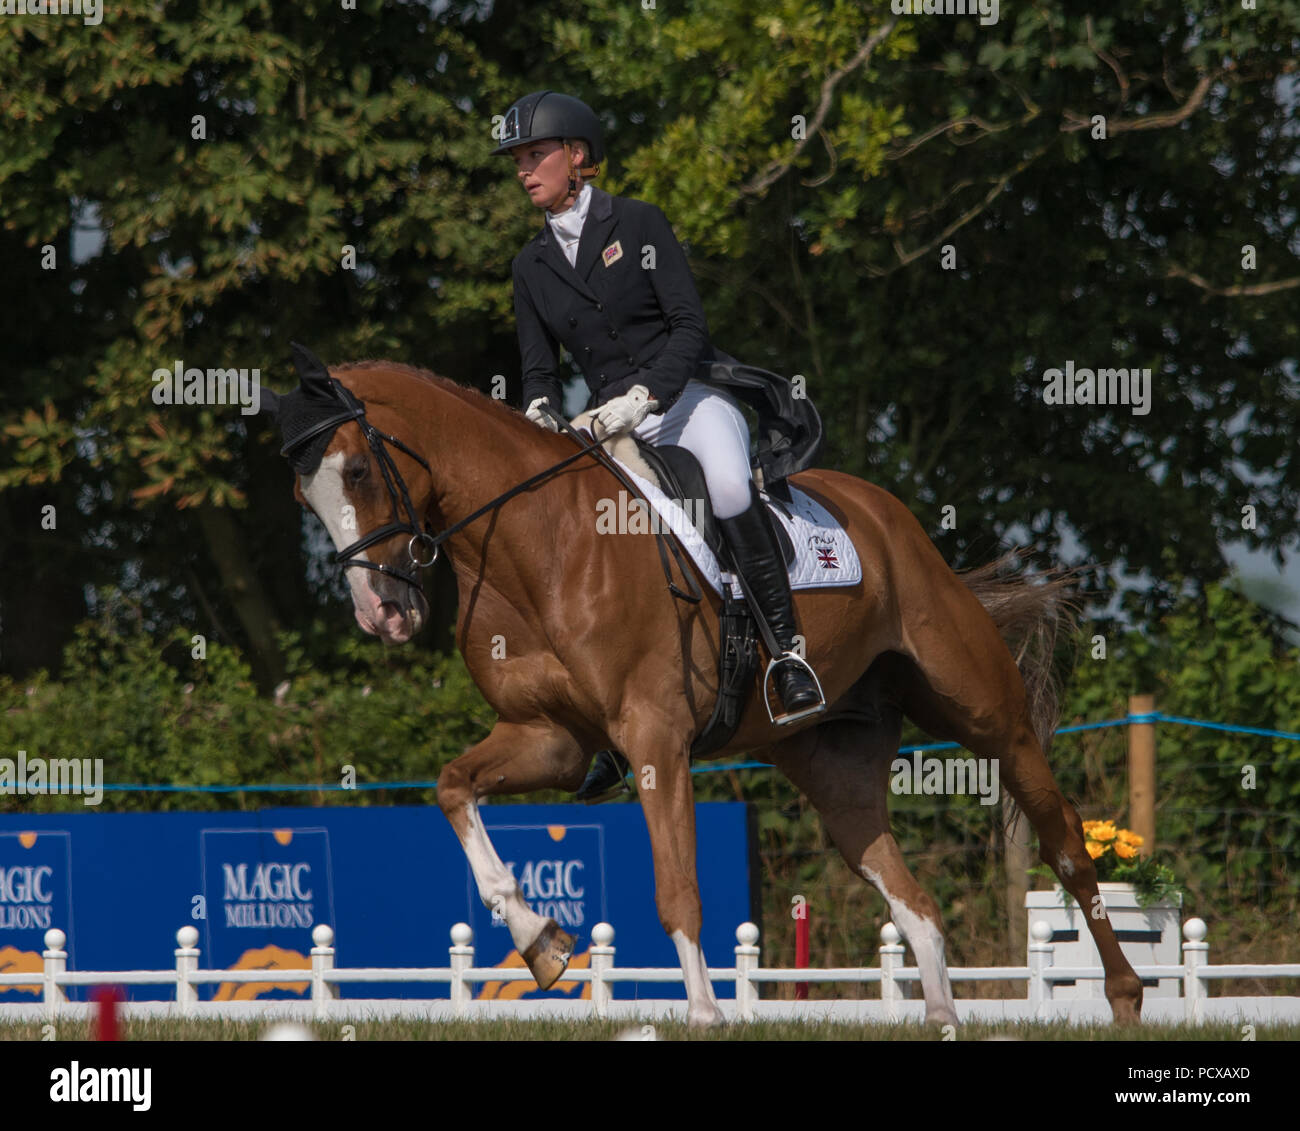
926 941
496 886
702 1004
324 490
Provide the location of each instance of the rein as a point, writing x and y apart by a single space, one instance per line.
695 596
431 542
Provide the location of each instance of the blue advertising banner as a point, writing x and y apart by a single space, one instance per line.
391 882
35 895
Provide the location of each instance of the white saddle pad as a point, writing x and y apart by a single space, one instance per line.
823 555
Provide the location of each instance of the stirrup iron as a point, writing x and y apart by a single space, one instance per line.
794 716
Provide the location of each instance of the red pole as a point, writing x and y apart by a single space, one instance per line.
106 1027
801 952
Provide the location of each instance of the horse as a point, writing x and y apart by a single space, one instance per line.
576 643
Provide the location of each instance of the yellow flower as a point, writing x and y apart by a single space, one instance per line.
1128 836
1094 849
1104 832
1124 850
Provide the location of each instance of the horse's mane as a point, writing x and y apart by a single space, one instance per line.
472 397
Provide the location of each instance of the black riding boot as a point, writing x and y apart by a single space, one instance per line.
758 558
605 779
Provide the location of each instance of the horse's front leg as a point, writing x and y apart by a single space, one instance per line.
512 759
659 754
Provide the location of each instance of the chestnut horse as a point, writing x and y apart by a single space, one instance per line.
575 641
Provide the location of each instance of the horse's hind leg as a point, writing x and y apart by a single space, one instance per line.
965 686
843 769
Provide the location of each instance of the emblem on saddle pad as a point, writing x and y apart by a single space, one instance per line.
613 253
824 548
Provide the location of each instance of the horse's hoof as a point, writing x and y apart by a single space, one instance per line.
549 955
1126 1002
705 1018
1126 1013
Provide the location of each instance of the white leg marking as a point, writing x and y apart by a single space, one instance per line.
926 941
496 886
702 1007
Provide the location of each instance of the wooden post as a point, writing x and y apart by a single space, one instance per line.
1142 772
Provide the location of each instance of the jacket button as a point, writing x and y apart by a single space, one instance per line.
600 306
613 333
602 379
586 349
573 321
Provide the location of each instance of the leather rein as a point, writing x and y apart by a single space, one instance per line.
429 542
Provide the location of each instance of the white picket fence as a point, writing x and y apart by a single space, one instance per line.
462 975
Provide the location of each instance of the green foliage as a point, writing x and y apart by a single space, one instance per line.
816 254
157 717
1153 882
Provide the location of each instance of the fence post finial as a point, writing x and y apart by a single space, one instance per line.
56 963
891 958
602 960
747 954
1195 956
1040 958
462 958
187 961
322 959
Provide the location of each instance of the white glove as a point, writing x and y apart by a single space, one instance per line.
541 419
624 413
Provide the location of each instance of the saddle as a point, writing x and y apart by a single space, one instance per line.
679 475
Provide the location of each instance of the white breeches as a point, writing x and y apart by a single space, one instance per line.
708 423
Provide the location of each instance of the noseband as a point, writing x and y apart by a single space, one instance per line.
354 409
348 556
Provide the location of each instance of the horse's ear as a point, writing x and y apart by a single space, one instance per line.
312 374
270 405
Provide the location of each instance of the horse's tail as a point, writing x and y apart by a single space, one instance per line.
1032 614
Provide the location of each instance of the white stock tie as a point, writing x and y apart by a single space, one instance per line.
567 226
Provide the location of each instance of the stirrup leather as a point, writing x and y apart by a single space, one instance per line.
793 716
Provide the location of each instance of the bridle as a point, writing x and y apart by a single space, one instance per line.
356 410
348 556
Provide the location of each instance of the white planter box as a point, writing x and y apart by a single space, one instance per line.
1148 936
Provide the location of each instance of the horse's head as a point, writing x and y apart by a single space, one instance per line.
369 489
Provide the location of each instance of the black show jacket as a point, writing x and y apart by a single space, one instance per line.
624 323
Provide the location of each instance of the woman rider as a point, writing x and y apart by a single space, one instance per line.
636 328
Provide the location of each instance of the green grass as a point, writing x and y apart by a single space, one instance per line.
509 1030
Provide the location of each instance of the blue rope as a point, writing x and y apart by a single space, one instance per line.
1231 728
1150 717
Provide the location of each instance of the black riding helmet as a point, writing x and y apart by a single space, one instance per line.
545 114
